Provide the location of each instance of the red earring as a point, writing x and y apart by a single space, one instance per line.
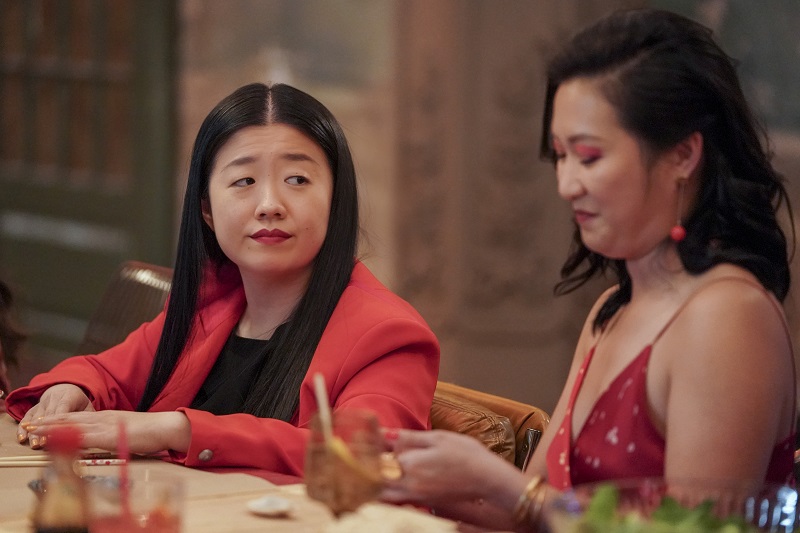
678 232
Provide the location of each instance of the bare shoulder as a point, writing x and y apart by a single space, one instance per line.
731 318
729 342
728 300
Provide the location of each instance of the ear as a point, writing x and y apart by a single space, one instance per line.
688 154
205 207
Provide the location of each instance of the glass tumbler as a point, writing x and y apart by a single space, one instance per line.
345 472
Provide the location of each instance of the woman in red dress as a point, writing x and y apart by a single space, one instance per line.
684 368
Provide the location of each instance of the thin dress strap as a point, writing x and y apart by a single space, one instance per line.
754 284
772 300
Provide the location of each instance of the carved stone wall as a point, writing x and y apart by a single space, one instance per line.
481 232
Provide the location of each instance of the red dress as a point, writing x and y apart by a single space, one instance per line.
619 440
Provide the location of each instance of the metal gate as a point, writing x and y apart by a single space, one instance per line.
87 142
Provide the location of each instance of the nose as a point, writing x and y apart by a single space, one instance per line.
569 183
271 204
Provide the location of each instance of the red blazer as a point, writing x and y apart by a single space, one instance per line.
376 353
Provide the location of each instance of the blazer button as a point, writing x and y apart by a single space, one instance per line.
205 455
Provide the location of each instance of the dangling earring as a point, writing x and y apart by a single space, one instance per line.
678 232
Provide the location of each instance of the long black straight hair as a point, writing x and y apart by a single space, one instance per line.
666 78
259 105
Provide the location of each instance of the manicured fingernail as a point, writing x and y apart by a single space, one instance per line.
43 440
391 434
34 442
31 427
21 438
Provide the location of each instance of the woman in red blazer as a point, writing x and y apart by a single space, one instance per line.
266 293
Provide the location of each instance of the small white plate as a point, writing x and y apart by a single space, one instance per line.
272 506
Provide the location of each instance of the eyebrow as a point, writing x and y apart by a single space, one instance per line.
298 156
239 161
288 156
575 138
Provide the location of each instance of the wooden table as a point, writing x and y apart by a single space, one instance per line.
215 502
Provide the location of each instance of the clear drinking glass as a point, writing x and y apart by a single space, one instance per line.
655 504
154 504
345 473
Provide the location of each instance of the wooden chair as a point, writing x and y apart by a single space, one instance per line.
136 294
509 428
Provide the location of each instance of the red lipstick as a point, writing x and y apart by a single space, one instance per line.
581 217
270 236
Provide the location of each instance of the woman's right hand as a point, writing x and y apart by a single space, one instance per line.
445 466
58 399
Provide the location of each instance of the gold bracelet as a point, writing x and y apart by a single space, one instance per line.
535 514
526 498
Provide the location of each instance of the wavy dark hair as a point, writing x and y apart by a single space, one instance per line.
259 105
666 78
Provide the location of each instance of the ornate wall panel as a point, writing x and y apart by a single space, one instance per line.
481 231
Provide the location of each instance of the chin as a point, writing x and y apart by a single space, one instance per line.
594 245
606 251
281 271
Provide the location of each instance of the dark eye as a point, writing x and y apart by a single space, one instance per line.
243 182
297 180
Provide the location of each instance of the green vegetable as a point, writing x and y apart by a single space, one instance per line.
603 505
602 516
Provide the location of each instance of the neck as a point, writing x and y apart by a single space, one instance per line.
270 303
660 270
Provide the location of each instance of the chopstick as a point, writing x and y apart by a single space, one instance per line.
9 464
41 460
23 460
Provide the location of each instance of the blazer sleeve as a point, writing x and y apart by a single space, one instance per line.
390 369
113 379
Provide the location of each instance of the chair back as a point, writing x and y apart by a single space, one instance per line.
525 422
136 294
455 413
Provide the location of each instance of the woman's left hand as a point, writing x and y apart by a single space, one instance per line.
146 432
440 467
